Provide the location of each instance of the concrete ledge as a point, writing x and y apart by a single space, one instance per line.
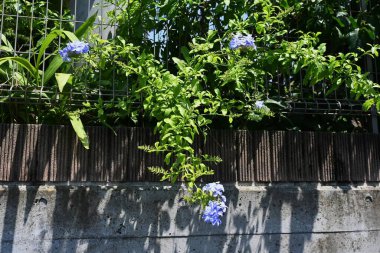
149 217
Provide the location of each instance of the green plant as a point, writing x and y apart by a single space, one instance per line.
214 81
25 32
38 77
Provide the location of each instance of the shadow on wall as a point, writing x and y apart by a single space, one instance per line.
130 218
146 217
287 219
278 219
150 218
90 220
85 219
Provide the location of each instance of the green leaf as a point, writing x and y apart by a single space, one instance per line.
45 44
62 79
340 23
185 53
167 158
371 33
85 27
57 60
180 63
271 101
70 35
353 38
7 44
79 129
49 39
188 139
53 67
6 49
22 62
181 110
170 122
374 51
368 104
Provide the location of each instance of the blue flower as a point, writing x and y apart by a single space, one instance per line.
73 49
65 54
215 189
259 104
213 212
242 41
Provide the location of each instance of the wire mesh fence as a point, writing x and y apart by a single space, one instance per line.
25 23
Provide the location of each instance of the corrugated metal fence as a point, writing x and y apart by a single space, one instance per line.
41 153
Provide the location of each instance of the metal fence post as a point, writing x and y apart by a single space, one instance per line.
369 68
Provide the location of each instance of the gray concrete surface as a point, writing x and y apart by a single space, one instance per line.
150 218
83 9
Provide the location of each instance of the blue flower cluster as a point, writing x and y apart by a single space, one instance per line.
259 104
242 41
73 49
216 190
215 209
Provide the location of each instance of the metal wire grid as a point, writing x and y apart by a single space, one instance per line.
299 98
11 91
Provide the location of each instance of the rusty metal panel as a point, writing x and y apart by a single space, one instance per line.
279 151
211 147
18 145
262 155
53 153
63 161
5 151
246 159
310 157
97 157
342 157
79 163
43 154
326 156
292 165
27 158
222 143
14 153
372 144
136 159
359 164
228 152
19 172
301 157
119 155
152 159
293 160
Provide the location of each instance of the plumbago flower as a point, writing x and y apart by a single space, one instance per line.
73 49
212 199
213 212
217 207
259 104
215 189
242 41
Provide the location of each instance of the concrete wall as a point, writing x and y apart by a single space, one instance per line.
150 218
